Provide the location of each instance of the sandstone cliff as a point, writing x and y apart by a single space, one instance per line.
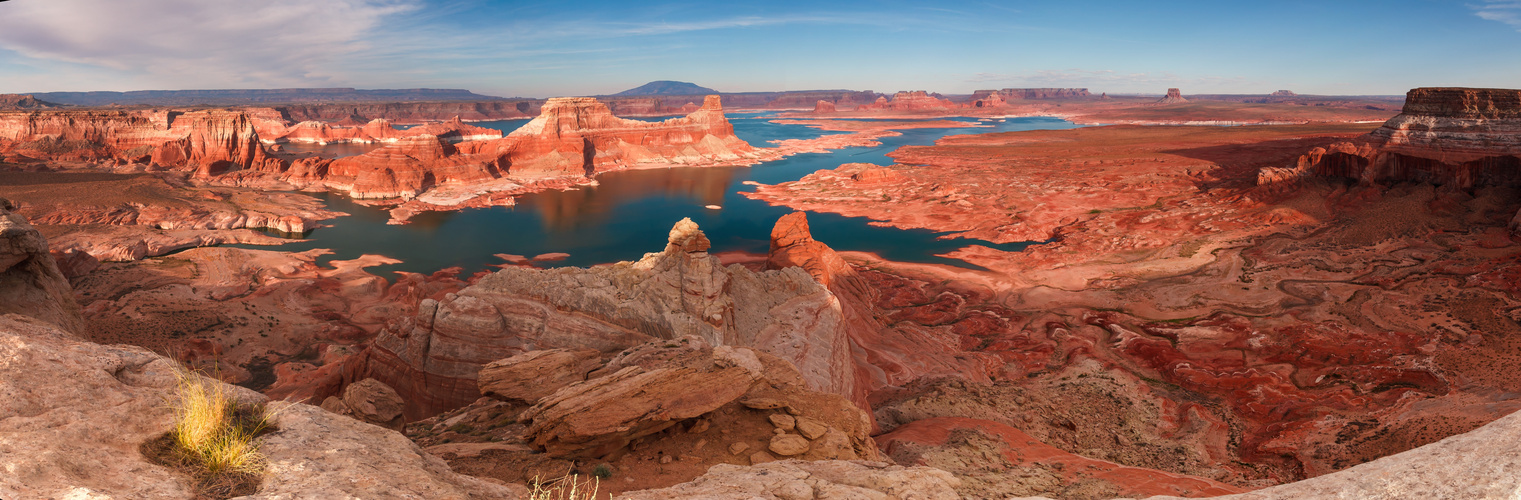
207 142
1461 136
910 101
580 136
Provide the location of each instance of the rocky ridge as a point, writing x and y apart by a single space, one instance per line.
1461 136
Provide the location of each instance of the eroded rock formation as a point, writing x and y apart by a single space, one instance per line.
1460 136
917 100
30 281
1174 96
433 359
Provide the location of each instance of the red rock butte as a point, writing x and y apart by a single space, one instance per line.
1461 136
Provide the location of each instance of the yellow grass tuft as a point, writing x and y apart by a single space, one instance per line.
567 487
213 431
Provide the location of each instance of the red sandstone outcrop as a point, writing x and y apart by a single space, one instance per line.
1173 97
1465 137
823 107
917 100
574 138
580 136
30 282
651 387
434 357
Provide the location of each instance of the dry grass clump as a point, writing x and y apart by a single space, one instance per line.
213 439
567 487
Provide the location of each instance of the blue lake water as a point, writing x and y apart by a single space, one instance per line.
630 212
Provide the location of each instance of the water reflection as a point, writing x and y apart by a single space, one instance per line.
586 207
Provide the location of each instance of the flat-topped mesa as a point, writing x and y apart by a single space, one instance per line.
1012 94
408 168
1174 96
823 107
1461 136
910 101
580 136
23 101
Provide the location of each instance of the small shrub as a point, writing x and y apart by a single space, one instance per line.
461 428
602 471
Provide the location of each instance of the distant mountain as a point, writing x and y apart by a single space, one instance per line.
667 87
23 101
257 96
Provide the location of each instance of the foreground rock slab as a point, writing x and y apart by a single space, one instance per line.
799 480
73 415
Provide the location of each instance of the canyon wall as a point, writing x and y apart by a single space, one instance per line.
1460 136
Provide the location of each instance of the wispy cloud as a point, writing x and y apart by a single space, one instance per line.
197 43
1105 78
1505 11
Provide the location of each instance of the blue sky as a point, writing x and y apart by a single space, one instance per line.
540 49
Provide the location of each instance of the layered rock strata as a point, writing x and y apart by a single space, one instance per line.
434 357
909 101
1460 136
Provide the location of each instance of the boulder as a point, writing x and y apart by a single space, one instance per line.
594 418
531 376
371 401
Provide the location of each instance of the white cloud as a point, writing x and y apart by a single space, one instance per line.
199 43
1130 82
1505 11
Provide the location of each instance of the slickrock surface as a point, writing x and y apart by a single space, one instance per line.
800 480
998 461
75 413
1184 319
30 282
